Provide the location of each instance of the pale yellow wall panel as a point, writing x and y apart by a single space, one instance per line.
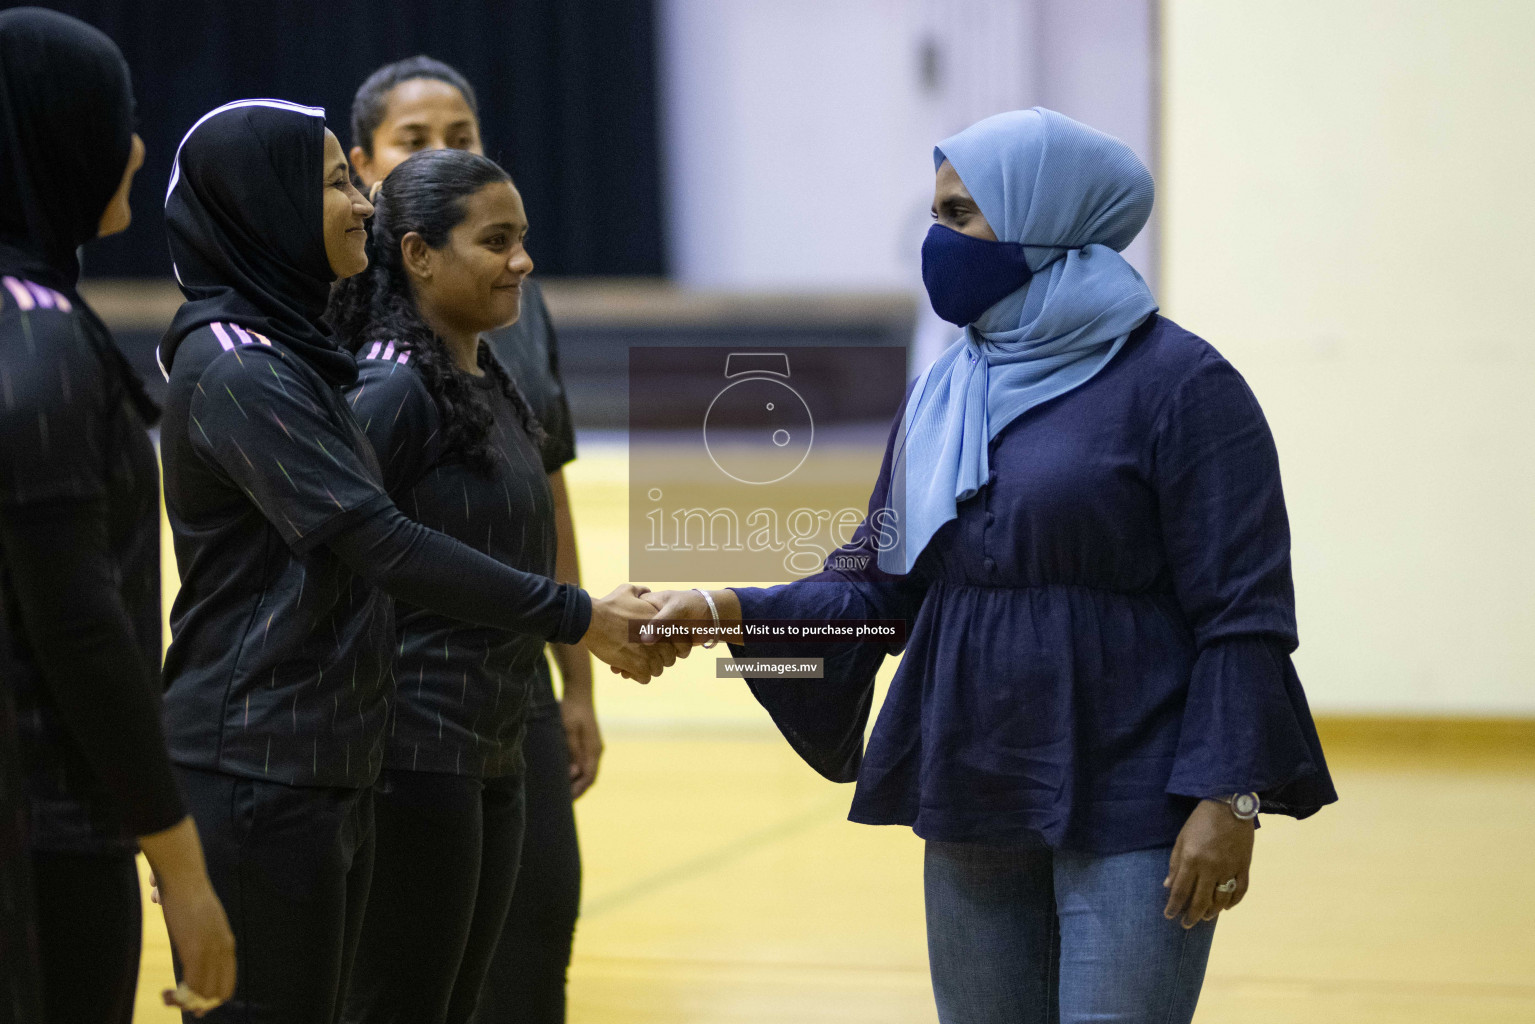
1348 201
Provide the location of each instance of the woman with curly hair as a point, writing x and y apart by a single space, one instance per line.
406 107
459 448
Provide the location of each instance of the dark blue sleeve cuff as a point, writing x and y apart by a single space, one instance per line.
823 719
1247 728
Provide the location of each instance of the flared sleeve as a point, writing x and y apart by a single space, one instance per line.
823 719
1246 725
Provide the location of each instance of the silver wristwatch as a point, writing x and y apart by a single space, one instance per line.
1244 805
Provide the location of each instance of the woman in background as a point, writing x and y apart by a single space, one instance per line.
458 445
423 104
1080 518
289 551
80 559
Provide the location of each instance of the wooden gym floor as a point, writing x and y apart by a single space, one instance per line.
724 887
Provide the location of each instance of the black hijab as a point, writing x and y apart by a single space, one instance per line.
245 216
66 129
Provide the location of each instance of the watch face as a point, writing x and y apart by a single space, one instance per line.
1245 805
758 430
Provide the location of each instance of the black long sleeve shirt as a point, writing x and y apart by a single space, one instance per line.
463 689
289 549
79 581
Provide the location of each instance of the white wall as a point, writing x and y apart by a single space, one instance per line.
1348 208
1097 62
794 155
799 133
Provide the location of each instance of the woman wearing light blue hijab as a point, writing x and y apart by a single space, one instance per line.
1080 518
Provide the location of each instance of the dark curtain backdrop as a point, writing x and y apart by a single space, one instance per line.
567 92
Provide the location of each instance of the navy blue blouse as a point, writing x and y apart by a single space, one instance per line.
1101 638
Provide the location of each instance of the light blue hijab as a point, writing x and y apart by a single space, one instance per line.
1076 197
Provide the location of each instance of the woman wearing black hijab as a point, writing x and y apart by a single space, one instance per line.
289 549
79 556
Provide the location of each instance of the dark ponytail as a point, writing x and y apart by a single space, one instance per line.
426 194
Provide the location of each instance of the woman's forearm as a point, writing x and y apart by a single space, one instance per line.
431 570
728 603
575 665
573 660
175 855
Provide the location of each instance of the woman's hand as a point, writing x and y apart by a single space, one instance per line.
667 605
688 605
204 944
676 605
608 635
194 918
1213 846
583 739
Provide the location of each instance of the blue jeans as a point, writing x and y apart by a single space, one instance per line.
1027 935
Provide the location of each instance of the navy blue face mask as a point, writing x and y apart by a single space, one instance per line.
966 276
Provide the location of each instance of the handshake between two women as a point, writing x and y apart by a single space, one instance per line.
614 634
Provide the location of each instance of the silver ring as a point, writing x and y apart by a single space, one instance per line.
1229 885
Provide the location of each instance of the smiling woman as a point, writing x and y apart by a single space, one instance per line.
447 264
346 213
404 108
460 448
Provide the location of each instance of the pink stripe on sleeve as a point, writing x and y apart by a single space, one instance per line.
43 296
21 295
223 336
245 339
388 352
